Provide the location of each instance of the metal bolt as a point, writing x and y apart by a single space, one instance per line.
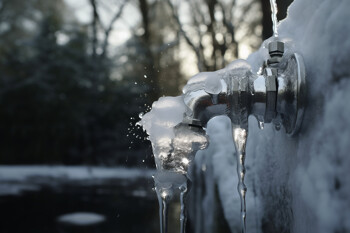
276 48
271 94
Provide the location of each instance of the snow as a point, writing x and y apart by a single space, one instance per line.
298 184
166 113
81 218
16 189
16 179
21 173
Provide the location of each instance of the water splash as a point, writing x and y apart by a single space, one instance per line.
261 125
274 17
240 140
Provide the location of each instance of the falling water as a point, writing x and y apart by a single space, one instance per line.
274 17
240 140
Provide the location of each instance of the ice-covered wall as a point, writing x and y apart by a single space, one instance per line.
299 184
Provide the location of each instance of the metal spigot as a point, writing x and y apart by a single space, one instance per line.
275 95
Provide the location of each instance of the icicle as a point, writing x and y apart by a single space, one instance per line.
240 140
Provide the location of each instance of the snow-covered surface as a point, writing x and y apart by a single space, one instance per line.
299 184
81 218
16 179
16 189
17 173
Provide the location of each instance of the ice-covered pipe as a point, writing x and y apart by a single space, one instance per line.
175 124
275 94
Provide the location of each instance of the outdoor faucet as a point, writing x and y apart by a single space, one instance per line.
275 94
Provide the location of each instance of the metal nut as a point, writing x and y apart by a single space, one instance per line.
276 48
271 94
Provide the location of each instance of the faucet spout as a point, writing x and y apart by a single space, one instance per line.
202 106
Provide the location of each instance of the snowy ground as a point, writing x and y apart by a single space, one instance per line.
16 179
298 184
81 218
77 199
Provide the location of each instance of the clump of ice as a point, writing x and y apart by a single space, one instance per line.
159 123
213 84
174 144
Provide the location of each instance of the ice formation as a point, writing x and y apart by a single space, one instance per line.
302 180
293 181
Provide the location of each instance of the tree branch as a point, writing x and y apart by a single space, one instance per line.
95 19
110 28
187 39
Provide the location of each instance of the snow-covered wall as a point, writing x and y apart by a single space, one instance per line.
299 184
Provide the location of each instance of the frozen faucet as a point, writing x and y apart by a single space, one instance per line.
176 124
273 95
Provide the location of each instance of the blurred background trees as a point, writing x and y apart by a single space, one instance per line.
71 89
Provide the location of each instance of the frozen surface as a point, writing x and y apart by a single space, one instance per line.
81 218
299 184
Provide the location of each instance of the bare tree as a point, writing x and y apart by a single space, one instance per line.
97 24
213 19
109 28
95 19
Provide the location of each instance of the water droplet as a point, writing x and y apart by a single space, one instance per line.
261 125
277 126
145 76
135 83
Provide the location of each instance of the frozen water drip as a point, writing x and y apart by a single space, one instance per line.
240 136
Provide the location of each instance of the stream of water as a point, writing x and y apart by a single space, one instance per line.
274 17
